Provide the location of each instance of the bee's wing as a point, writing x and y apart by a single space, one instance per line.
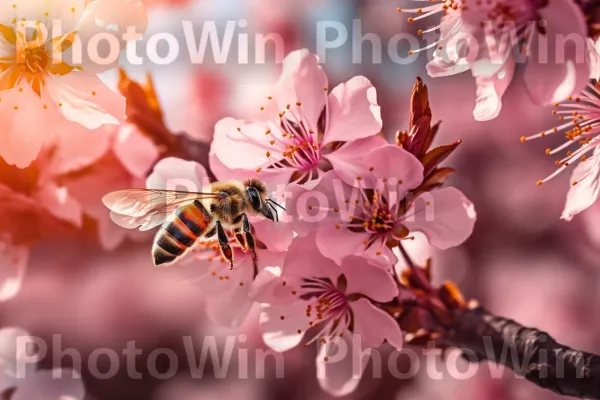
147 208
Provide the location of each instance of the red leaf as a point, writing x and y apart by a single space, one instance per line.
432 159
435 179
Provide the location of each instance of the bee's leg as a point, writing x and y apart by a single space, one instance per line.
239 237
224 243
248 235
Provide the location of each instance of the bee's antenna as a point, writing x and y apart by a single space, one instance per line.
274 211
273 202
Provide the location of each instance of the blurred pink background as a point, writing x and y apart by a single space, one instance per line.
522 261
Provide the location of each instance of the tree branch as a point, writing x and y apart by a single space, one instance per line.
529 352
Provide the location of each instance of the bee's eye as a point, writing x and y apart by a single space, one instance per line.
254 198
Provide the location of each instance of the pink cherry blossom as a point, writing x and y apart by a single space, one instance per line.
33 384
304 129
227 292
578 121
63 185
34 204
362 218
40 91
482 37
313 299
125 164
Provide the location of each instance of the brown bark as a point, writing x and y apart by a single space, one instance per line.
529 352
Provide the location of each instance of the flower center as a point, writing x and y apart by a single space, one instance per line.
486 11
579 121
500 12
327 307
30 51
298 145
375 215
501 15
33 59
293 144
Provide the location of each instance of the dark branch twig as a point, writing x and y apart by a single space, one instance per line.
529 352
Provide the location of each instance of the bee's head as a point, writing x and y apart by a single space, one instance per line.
256 190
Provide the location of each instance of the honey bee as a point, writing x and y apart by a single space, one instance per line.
187 217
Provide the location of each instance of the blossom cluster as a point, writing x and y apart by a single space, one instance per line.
331 270
325 271
489 38
63 144
334 270
559 44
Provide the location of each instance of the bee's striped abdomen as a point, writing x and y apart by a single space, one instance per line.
180 232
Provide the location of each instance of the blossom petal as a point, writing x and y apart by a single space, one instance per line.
450 60
445 216
490 91
368 279
302 80
13 260
302 263
77 147
400 168
336 244
176 174
556 70
231 308
296 208
277 236
244 148
24 125
345 159
110 235
387 162
111 14
60 203
238 151
267 288
585 193
594 55
373 325
110 20
439 67
51 385
310 209
65 11
83 98
352 111
136 152
340 365
281 334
